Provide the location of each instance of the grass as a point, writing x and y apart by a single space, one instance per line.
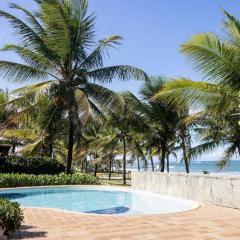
115 182
116 179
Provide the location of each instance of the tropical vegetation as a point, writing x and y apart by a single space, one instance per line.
65 111
215 101
8 180
31 165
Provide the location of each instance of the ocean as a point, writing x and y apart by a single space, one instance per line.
197 167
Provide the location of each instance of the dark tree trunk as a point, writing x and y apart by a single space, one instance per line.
95 170
163 159
70 147
168 164
50 150
185 158
151 158
138 163
86 165
183 145
82 163
110 168
124 160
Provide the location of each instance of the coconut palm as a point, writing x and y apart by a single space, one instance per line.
161 120
215 122
60 60
126 125
217 59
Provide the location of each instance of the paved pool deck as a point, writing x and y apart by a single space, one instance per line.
204 223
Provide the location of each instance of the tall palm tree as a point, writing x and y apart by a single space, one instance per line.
126 125
58 51
214 120
217 59
161 119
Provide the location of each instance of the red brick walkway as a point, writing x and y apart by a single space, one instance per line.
205 223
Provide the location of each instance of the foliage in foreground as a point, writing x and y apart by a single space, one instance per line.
23 180
11 216
30 165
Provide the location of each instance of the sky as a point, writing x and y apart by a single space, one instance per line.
153 31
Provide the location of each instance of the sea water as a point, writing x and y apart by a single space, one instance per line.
197 166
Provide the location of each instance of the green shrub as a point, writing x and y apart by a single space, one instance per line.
30 165
11 216
22 180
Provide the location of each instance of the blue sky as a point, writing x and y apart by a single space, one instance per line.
153 31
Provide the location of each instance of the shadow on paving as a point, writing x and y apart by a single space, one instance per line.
27 232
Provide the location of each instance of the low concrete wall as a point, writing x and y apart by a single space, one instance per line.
211 189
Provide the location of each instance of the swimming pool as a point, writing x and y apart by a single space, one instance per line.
97 200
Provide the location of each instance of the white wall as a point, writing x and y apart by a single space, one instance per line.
222 190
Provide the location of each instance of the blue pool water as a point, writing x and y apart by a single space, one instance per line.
97 200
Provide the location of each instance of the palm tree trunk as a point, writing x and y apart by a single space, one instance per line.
163 159
70 146
185 158
186 161
95 170
151 158
82 163
124 160
110 168
86 165
168 163
138 164
50 150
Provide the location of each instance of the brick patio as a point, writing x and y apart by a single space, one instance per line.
205 223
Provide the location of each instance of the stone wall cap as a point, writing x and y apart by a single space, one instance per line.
220 176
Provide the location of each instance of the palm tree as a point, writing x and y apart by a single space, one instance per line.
58 51
217 59
161 119
215 123
126 125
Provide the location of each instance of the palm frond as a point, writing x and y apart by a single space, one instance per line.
185 92
31 18
105 98
21 73
21 134
82 105
216 60
122 72
95 59
203 148
31 148
228 154
232 29
16 118
28 36
34 88
33 59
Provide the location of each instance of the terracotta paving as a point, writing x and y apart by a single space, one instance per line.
205 223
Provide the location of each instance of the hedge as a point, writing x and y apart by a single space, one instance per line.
23 180
11 216
30 165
